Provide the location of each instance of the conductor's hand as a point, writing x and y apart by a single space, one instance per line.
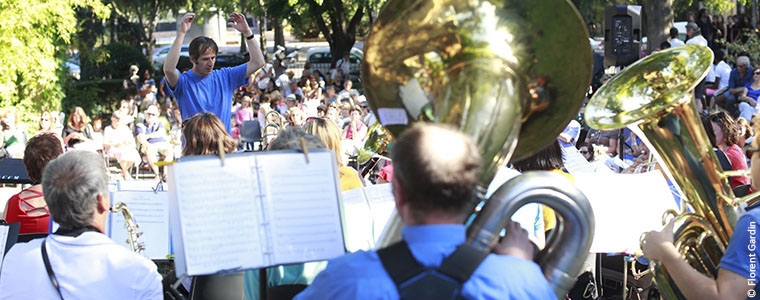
237 21
657 243
184 24
515 243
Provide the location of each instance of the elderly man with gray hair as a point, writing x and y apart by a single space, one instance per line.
77 261
737 82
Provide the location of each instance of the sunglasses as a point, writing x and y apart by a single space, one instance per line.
46 120
756 73
150 114
584 152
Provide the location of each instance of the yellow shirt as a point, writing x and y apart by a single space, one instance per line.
550 219
349 179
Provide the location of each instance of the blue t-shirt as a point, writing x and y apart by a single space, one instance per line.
750 92
361 275
741 255
212 93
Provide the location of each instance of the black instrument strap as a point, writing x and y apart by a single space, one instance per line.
462 263
49 268
399 262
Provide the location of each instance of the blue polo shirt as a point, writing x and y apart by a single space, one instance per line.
212 93
734 81
741 255
361 275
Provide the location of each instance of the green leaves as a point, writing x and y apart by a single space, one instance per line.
35 35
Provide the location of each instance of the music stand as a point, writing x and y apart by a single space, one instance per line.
12 170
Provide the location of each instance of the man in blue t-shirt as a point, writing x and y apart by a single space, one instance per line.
203 89
435 178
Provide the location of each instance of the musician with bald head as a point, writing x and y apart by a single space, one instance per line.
77 261
436 172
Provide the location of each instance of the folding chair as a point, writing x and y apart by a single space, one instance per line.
250 135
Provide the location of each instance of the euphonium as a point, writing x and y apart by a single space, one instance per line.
131 227
653 97
494 69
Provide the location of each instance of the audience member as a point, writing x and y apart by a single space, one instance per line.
75 186
674 41
28 207
737 82
78 132
153 137
119 143
14 137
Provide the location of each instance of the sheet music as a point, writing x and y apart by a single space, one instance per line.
303 203
576 163
625 206
3 240
359 221
217 214
151 213
136 185
382 205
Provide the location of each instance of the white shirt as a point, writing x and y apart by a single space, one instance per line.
722 70
90 266
261 81
675 42
697 40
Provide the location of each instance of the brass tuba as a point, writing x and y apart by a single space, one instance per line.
497 70
653 97
131 227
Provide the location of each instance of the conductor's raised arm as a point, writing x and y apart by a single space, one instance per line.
172 58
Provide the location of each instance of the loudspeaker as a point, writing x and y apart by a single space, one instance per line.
622 34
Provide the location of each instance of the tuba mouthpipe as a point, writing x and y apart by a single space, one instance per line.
574 233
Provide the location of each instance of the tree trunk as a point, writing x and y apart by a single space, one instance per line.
279 33
659 20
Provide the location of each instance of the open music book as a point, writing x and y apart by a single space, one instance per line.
150 211
253 210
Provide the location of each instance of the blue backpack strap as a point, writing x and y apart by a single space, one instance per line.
399 262
462 263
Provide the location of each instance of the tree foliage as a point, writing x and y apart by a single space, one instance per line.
34 38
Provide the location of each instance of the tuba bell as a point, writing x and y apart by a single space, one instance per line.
653 97
494 70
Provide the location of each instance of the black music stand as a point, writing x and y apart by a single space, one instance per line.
12 170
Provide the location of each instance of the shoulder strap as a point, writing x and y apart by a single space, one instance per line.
49 268
462 263
398 261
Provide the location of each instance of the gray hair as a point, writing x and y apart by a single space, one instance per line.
290 138
742 60
71 184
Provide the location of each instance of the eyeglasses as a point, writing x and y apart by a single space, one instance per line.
584 152
150 114
45 120
717 117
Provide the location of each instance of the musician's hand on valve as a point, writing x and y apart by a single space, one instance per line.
515 243
657 243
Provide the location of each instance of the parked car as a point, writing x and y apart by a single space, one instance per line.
159 55
320 59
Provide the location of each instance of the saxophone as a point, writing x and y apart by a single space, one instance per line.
129 223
